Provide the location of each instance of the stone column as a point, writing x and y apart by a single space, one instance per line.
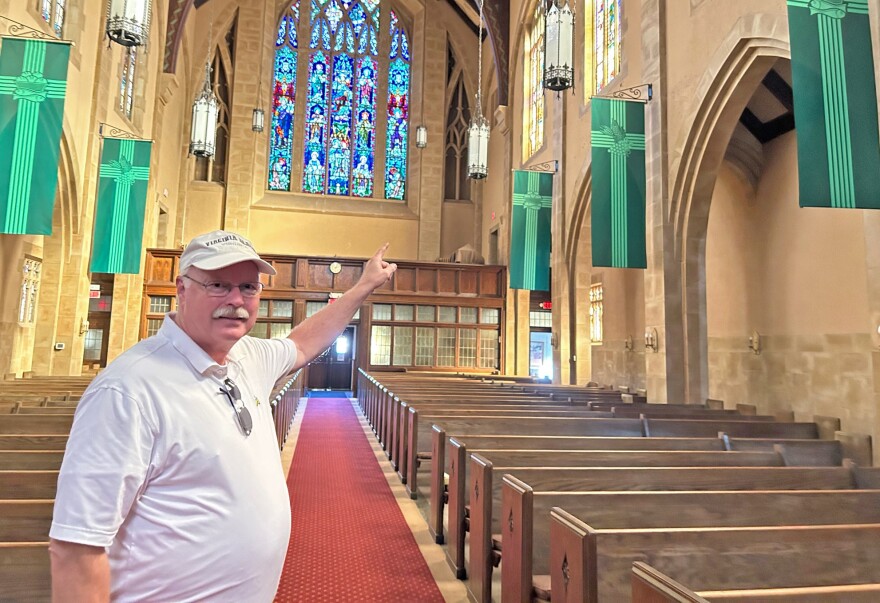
664 369
560 286
430 159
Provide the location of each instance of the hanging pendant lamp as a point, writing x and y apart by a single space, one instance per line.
558 57
203 136
478 130
128 22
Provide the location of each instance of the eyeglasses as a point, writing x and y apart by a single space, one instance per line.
220 289
242 414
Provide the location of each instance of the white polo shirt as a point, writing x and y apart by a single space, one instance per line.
158 470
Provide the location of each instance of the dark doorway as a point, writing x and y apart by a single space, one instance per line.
332 369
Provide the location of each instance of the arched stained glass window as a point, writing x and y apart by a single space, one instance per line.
53 14
283 101
603 43
339 100
533 115
398 112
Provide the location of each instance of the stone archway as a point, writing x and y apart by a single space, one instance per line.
753 46
577 257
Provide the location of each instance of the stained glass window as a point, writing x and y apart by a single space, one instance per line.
534 85
53 14
126 82
340 100
603 43
398 112
283 101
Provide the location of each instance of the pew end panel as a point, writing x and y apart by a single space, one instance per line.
455 527
572 559
412 445
517 530
480 562
827 426
403 435
856 446
652 586
438 471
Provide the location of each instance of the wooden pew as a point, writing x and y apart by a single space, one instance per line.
25 520
34 424
24 571
33 442
640 479
588 564
652 586
486 515
418 436
672 428
31 460
28 485
526 529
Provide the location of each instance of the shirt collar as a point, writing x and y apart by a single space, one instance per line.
198 358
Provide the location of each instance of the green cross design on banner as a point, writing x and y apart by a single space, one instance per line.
530 237
33 84
618 155
835 103
122 194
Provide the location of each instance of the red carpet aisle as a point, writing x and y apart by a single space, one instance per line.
349 541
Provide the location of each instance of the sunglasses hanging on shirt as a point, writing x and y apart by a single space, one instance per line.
242 414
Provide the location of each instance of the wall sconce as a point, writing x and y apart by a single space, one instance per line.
421 137
652 340
83 326
755 342
628 343
258 120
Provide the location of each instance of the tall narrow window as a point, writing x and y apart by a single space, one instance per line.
456 182
53 14
597 311
341 106
283 100
30 285
602 45
398 112
127 81
533 76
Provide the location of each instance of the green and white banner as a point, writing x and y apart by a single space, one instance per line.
122 201
530 230
618 164
835 103
33 84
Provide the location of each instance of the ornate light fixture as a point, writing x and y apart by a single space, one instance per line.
478 130
128 21
204 119
259 116
558 32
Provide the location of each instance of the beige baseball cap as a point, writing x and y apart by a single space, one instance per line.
220 249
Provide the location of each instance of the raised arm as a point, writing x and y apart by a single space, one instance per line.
80 573
315 334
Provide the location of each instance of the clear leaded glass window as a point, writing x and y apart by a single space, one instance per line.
340 40
540 318
534 85
597 310
380 346
602 46
30 286
126 82
403 346
53 14
488 349
160 304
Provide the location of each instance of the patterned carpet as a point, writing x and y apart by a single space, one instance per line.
349 541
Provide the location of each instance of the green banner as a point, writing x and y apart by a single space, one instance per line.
122 201
33 83
530 236
618 165
835 103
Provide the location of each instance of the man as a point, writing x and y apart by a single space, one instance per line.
171 487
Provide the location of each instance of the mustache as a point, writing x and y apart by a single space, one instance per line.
231 312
